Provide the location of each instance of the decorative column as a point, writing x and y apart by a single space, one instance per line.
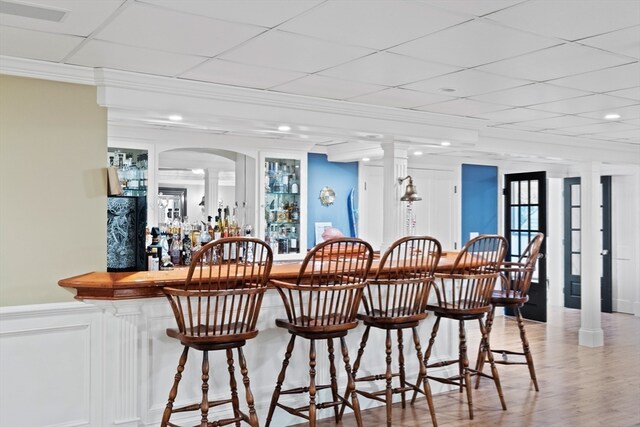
590 334
210 192
636 225
394 211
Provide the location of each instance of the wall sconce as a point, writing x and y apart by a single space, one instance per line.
410 193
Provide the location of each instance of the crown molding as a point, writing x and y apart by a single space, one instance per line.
44 70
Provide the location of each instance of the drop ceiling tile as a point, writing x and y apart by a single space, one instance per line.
36 45
560 122
555 62
96 53
571 20
142 25
606 80
629 112
623 42
462 107
599 128
266 13
631 93
473 43
327 87
633 135
584 104
233 73
375 24
466 83
513 115
401 98
388 69
81 19
473 7
287 51
531 94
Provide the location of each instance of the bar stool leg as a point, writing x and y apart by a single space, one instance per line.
427 354
334 380
463 367
388 378
356 365
204 406
253 417
482 350
174 389
403 381
351 385
423 377
280 380
525 348
312 383
233 386
494 369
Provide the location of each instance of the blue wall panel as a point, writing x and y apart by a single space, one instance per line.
479 200
341 177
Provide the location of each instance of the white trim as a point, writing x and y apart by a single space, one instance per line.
46 70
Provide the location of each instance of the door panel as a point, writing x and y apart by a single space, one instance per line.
526 215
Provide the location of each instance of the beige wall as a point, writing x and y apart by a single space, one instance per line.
53 148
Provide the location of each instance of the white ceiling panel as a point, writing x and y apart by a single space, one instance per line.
233 73
151 27
266 13
571 20
35 44
556 62
100 54
473 7
380 24
629 112
585 104
633 135
600 128
462 107
514 115
561 122
328 87
607 80
535 93
288 51
631 93
388 69
623 42
81 19
474 43
466 83
401 98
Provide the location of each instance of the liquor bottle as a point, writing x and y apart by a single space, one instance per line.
294 185
175 249
217 232
234 229
186 249
293 240
210 226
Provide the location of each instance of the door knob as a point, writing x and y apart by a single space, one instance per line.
604 252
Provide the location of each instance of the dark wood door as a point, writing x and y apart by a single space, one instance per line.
526 215
572 242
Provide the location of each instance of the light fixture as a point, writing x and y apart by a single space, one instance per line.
365 159
445 143
612 116
175 118
284 128
198 171
410 192
417 153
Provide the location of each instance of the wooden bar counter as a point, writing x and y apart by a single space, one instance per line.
147 284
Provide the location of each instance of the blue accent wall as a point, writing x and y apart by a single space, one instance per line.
341 177
479 195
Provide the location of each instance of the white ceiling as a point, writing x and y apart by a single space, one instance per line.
550 67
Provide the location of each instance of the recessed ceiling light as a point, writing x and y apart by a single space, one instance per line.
284 128
175 118
612 116
445 143
417 153
365 159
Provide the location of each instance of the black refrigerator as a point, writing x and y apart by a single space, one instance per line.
126 224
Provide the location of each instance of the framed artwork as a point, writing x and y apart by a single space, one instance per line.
320 227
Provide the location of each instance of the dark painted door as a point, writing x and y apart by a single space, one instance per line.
526 215
572 241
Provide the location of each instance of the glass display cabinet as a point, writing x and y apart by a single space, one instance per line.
283 223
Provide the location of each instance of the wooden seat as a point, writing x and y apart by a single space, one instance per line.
322 304
395 299
514 292
217 309
464 294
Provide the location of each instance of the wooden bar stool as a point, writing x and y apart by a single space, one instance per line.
322 306
217 309
516 280
395 299
464 294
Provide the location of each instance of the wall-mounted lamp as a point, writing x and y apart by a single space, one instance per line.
410 193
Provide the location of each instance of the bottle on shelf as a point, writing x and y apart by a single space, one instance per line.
294 189
186 249
217 231
175 249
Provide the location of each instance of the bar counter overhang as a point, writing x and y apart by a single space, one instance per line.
140 359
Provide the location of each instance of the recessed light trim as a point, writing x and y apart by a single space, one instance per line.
284 128
445 143
175 118
612 116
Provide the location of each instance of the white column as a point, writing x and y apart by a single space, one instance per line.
590 333
635 204
394 211
210 192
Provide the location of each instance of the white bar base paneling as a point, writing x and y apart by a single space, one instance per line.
110 363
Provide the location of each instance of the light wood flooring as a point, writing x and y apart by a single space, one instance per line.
579 386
